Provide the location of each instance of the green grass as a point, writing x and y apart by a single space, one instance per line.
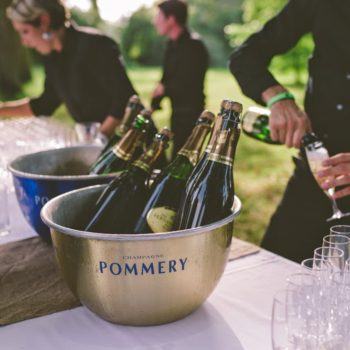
261 171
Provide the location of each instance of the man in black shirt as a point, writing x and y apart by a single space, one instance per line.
298 225
83 68
184 68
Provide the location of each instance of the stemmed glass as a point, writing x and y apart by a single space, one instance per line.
334 256
343 230
338 241
279 323
315 158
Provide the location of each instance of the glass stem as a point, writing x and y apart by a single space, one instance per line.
335 208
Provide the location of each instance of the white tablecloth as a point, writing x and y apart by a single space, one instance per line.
235 317
19 227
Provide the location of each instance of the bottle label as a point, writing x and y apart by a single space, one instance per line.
142 165
120 153
220 159
161 219
223 151
194 143
192 156
147 160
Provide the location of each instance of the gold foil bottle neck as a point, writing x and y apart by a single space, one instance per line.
167 132
232 106
207 115
134 99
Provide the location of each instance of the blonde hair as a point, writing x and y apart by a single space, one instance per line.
29 11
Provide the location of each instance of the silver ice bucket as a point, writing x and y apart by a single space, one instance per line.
136 279
39 177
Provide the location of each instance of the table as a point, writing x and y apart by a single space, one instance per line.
235 317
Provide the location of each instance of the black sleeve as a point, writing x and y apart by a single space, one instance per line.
111 74
47 102
190 74
249 62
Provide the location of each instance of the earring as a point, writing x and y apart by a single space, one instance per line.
47 36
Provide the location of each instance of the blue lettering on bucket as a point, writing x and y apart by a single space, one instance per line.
103 265
142 268
115 269
172 264
131 269
145 269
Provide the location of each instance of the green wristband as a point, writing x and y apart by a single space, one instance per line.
279 97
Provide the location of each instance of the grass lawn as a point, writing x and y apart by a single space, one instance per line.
261 171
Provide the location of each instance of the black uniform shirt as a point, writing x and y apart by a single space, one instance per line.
185 64
328 91
88 76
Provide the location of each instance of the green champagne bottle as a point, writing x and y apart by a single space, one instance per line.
121 203
211 198
165 194
118 157
255 124
133 108
203 159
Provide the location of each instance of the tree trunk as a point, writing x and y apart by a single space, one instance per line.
14 59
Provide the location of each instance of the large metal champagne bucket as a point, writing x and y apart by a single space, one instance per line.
40 176
143 279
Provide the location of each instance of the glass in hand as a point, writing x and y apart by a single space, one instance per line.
315 159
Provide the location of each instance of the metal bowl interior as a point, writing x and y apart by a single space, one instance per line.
144 279
41 176
62 164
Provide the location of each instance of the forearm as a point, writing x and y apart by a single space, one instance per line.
271 92
20 108
109 125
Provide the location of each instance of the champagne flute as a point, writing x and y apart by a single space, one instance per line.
315 156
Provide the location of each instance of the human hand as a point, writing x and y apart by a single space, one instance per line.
337 173
288 123
158 91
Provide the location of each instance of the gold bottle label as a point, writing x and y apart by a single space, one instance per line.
217 126
224 148
126 146
120 153
148 158
161 219
191 149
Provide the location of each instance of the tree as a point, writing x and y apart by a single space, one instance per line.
139 40
141 43
14 59
209 18
255 14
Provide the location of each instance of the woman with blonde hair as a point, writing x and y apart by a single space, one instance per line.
83 67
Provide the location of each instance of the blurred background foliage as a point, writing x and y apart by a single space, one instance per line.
223 25
261 171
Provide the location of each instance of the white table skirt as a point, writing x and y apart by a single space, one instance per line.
236 316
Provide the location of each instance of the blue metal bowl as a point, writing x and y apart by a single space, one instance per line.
41 176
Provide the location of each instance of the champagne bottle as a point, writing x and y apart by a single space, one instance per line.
165 194
122 201
200 165
133 108
211 198
255 124
118 157
204 158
